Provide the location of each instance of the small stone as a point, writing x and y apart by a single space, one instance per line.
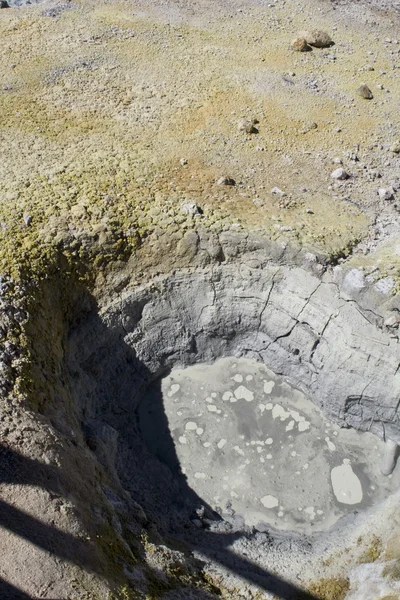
277 191
198 523
309 211
300 45
317 38
248 125
385 194
226 181
183 161
364 92
395 147
337 161
395 184
392 321
309 126
373 174
27 219
340 174
190 208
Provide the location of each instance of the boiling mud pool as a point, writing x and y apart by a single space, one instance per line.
260 453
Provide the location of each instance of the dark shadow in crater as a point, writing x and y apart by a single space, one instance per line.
129 399
108 386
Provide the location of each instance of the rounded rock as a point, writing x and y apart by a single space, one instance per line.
317 38
385 194
340 174
300 45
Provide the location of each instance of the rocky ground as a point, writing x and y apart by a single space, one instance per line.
139 139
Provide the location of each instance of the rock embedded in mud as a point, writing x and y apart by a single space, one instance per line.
364 92
248 125
300 45
340 174
317 38
226 181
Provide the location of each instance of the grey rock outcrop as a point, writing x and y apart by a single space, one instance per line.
325 336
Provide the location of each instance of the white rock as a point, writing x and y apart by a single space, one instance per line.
385 194
190 208
340 174
276 190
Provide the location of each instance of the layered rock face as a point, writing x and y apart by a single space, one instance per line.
327 337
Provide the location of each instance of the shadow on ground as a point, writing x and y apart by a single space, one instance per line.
147 472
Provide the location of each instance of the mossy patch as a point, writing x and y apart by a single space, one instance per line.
373 550
329 589
392 570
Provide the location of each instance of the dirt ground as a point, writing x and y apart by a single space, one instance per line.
113 115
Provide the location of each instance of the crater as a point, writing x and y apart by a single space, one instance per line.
249 401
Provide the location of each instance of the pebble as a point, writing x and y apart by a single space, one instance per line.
276 190
364 92
300 45
258 202
395 184
183 161
395 147
248 125
28 220
385 194
340 174
309 127
392 321
373 174
226 181
190 208
317 38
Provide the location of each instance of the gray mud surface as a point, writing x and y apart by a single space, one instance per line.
260 453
